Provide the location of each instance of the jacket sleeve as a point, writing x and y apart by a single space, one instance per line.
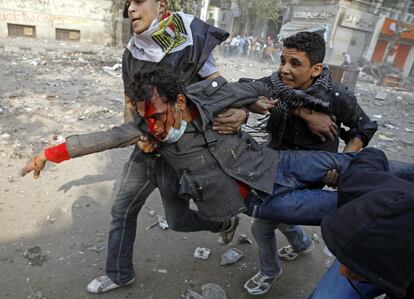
347 111
212 96
89 143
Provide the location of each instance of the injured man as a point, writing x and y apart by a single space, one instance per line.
228 174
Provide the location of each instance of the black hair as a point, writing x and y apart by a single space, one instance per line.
127 3
311 43
166 82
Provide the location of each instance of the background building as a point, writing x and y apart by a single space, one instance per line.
93 21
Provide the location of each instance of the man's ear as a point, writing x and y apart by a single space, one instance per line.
181 102
316 70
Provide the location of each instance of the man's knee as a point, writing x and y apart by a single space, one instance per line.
263 228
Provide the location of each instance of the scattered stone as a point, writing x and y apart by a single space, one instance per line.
162 222
385 137
377 116
231 256
409 130
50 219
37 295
389 126
151 225
208 291
163 271
96 248
243 239
202 253
381 95
5 136
34 256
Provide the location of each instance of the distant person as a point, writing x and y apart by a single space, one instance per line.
347 59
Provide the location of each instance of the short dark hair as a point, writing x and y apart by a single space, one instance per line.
127 3
167 84
311 43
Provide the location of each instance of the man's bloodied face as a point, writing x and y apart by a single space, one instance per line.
141 13
296 70
159 115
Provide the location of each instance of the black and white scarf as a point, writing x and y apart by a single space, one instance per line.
315 98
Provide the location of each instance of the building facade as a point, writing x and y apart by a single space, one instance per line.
91 21
347 26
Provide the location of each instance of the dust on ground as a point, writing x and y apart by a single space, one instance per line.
54 229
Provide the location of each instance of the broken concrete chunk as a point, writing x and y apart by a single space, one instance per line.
231 256
162 222
34 256
381 95
208 291
202 253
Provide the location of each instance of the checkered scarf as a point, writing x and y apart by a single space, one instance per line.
316 97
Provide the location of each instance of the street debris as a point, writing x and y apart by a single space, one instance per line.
202 253
150 212
162 222
385 137
243 239
34 256
151 225
96 248
208 291
381 95
231 256
50 219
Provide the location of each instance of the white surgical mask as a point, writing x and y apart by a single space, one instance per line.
175 134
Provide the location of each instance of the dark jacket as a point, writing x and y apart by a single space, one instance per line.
372 232
344 107
208 164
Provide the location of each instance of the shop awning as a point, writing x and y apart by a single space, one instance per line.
293 27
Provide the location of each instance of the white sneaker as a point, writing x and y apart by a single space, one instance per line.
104 284
287 253
260 283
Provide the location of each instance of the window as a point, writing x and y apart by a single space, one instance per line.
68 35
21 30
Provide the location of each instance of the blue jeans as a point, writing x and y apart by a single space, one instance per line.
139 179
297 197
264 233
335 286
